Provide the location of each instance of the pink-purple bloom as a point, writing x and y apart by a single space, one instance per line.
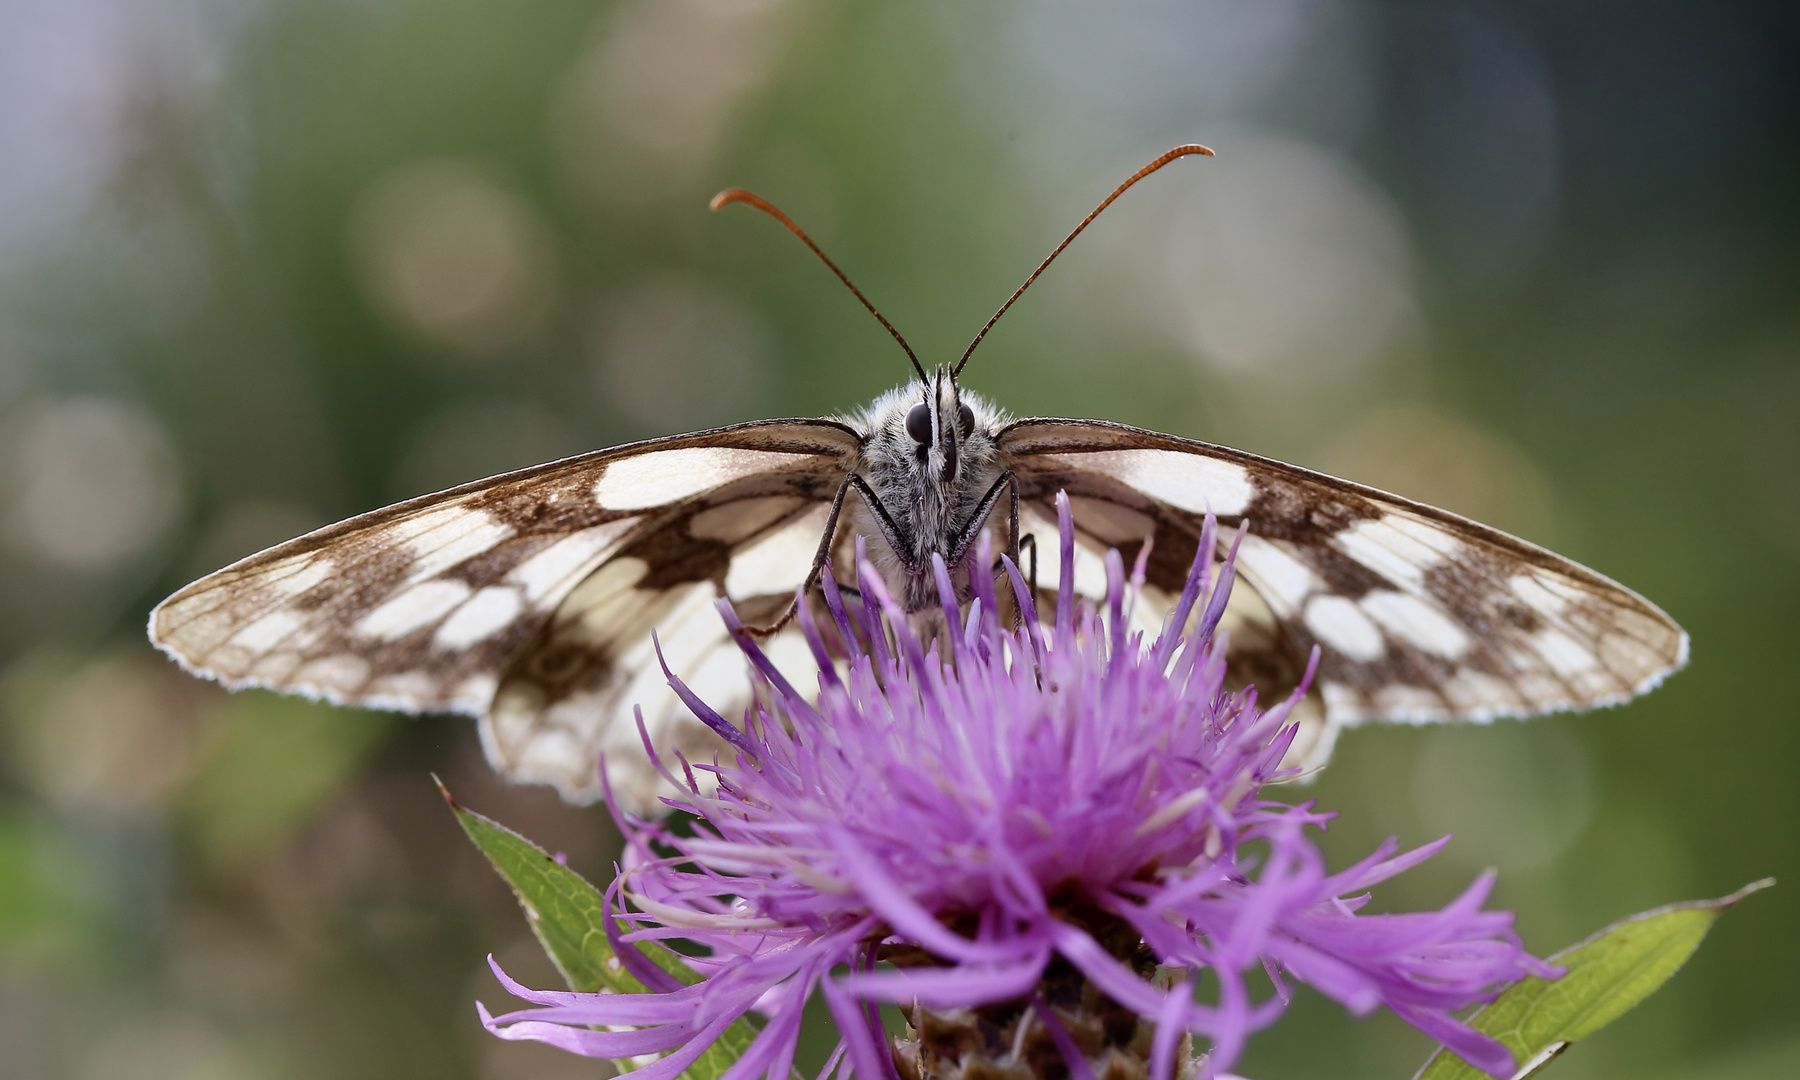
980 803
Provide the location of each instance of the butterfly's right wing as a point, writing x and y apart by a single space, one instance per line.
1420 615
527 599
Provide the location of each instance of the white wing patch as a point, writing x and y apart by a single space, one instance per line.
266 633
1417 622
1339 623
638 483
291 577
1564 654
550 572
779 561
1284 581
1391 548
1197 485
413 607
483 615
1536 595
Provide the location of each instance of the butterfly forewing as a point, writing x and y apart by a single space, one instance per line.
437 603
1420 615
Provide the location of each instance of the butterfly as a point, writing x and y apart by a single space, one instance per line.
528 600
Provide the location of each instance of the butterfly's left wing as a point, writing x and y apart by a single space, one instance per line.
528 599
1420 615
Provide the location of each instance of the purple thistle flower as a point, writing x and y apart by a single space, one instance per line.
1057 825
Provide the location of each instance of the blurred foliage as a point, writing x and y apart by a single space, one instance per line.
265 767
266 263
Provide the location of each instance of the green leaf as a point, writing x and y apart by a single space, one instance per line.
566 914
1608 974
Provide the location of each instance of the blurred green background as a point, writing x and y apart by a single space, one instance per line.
266 263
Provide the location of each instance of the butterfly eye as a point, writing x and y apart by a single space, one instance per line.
918 423
965 419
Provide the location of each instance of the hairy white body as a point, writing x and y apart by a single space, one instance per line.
933 494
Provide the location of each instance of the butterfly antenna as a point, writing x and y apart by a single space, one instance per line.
1178 152
739 195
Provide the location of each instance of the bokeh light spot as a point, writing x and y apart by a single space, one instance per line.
94 482
113 737
645 111
1286 264
1442 460
447 253
469 440
1514 796
680 353
165 1048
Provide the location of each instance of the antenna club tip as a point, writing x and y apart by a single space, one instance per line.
731 195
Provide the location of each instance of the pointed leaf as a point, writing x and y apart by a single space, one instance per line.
1608 974
566 914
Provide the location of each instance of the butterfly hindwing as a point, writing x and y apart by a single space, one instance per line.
573 691
436 603
1420 615
1263 653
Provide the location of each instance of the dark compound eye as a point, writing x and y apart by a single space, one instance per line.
918 423
965 419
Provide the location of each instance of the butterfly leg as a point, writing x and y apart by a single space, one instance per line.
1027 543
966 537
818 563
889 530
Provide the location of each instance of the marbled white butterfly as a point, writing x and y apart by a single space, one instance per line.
528 599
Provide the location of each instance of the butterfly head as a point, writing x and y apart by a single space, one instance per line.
937 425
931 444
